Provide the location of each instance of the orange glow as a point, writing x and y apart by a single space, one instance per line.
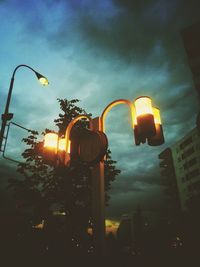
69 147
90 231
62 144
134 120
111 226
51 140
156 114
39 226
143 106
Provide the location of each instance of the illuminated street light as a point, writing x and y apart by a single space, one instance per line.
6 116
43 80
51 141
146 124
144 117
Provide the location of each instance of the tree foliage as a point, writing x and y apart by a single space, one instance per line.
45 188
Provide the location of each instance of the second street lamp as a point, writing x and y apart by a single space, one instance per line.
146 124
6 116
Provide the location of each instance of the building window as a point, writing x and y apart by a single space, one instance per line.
186 142
194 187
198 147
187 153
190 163
192 174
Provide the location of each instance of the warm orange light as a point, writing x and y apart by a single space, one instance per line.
156 114
62 144
143 106
69 147
134 121
111 226
90 230
51 140
39 226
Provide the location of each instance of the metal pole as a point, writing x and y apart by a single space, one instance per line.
98 200
5 116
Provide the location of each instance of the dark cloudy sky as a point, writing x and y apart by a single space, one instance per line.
100 51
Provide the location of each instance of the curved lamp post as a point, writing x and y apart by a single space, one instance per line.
146 124
6 116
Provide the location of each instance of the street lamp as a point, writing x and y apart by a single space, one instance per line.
146 124
6 116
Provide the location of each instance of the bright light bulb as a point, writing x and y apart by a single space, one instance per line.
143 106
43 81
51 140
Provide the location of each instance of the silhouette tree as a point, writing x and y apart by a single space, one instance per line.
45 188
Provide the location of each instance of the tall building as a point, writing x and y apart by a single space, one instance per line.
191 39
169 180
183 165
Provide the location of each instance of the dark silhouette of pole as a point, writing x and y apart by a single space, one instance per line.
6 116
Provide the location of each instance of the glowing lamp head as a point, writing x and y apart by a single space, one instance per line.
145 119
51 140
42 79
143 106
50 149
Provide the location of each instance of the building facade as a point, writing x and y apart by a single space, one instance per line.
169 181
181 163
191 40
186 158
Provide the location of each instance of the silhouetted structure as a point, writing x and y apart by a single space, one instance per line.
138 231
181 165
124 232
169 180
191 39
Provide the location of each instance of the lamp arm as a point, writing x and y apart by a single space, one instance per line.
21 65
11 85
113 104
68 131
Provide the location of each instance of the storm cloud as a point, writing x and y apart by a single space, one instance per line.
99 51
